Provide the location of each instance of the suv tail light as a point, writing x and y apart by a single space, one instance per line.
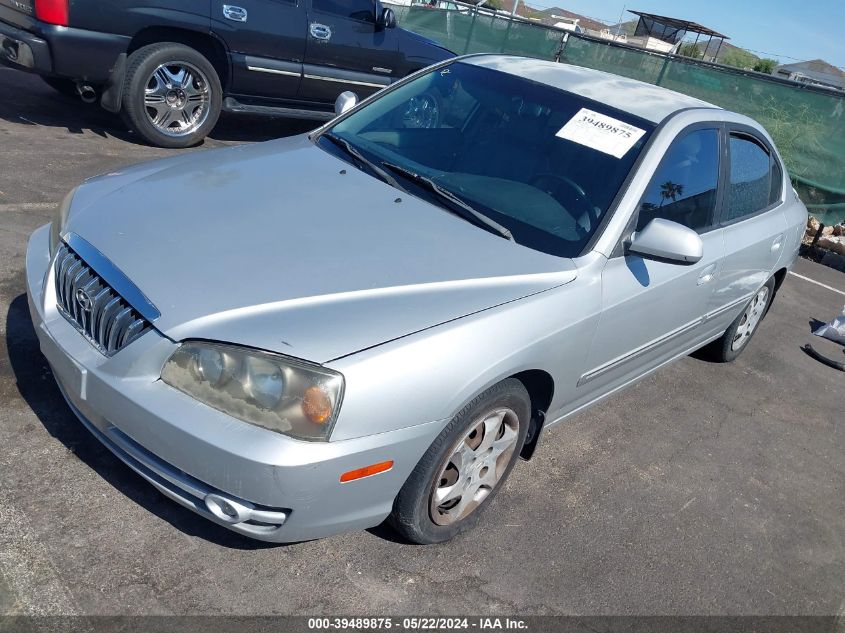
52 11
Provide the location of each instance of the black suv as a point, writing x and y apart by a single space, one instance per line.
171 65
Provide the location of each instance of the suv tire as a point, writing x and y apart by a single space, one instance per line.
172 95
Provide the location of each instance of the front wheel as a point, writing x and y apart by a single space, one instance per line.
466 465
172 95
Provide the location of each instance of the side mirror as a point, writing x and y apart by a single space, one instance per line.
386 19
669 241
345 101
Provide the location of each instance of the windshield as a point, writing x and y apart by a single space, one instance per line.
543 163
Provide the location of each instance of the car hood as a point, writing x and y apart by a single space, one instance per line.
282 246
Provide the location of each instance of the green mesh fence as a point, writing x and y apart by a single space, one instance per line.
807 125
462 31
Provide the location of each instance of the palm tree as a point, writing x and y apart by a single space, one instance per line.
670 191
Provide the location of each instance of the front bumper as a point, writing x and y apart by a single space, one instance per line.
290 489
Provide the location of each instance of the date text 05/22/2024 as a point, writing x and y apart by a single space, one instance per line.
418 623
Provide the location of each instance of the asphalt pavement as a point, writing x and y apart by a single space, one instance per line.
704 489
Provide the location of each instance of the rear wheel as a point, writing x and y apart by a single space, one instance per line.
172 95
466 465
738 335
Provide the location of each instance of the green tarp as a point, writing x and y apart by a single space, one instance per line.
807 125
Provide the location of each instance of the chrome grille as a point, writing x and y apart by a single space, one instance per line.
86 300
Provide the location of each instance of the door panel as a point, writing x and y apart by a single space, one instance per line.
754 225
654 310
267 45
347 53
752 249
651 311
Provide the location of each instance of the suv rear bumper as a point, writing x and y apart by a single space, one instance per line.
22 50
61 51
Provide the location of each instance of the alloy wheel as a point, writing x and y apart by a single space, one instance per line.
177 98
752 316
474 467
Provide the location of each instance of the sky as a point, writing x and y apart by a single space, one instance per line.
780 29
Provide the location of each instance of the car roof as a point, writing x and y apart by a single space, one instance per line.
641 99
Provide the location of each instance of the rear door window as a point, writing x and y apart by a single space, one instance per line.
750 189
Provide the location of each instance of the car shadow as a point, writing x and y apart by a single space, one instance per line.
638 269
29 101
36 386
40 106
385 532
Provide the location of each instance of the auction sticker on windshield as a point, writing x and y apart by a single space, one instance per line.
600 132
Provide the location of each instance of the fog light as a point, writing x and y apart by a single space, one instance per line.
227 510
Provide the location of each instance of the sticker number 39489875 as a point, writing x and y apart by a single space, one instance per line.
600 132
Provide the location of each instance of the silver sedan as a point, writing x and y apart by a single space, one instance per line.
376 320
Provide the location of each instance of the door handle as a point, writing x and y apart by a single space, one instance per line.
707 275
777 243
236 14
320 31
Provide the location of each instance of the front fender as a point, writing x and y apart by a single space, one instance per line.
431 375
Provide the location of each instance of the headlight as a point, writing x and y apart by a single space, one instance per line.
59 221
269 390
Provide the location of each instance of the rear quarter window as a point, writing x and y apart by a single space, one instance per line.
777 182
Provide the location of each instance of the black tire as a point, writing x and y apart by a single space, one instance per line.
139 72
723 350
412 508
66 87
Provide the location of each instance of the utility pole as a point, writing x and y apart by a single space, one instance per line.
619 24
515 7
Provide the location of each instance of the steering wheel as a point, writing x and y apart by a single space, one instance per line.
422 111
582 199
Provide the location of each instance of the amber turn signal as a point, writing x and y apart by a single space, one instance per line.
366 471
316 405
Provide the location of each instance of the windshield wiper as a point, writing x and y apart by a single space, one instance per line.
351 150
457 206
